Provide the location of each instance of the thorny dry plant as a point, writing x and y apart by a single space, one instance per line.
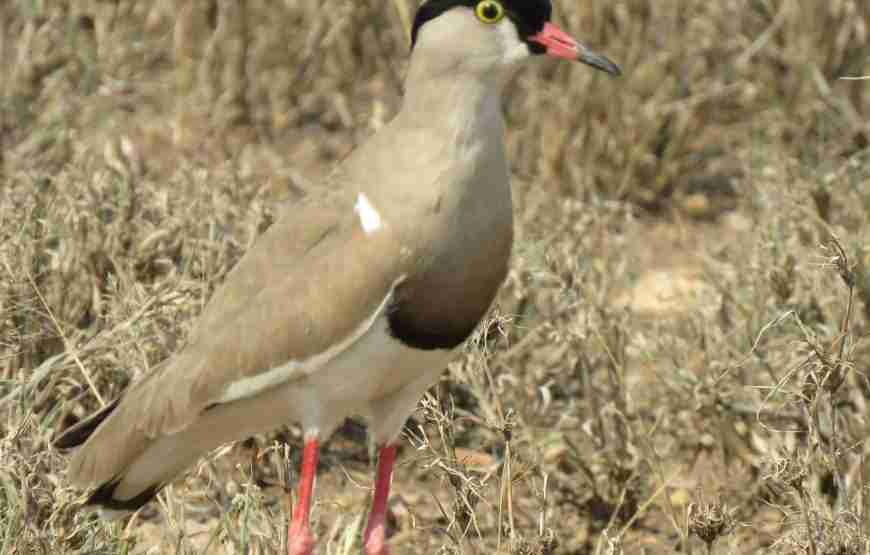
709 522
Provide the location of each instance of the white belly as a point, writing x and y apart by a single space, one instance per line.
368 373
377 377
375 366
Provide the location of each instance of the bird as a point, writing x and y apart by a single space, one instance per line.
355 299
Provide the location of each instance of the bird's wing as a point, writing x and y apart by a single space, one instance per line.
311 282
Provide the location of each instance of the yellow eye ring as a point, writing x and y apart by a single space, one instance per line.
489 11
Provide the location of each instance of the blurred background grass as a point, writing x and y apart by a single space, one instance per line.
665 219
704 83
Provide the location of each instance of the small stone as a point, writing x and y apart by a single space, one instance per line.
696 205
680 497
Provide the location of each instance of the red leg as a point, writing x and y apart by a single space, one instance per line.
300 541
375 538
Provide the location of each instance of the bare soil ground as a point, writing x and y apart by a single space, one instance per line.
675 364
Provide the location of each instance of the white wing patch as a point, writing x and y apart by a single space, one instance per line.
248 387
369 217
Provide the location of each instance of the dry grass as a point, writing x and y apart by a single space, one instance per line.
145 145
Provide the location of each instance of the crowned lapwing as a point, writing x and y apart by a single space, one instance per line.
355 299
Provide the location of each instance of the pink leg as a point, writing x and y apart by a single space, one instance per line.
300 541
375 538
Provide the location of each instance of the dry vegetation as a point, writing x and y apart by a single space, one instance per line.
676 363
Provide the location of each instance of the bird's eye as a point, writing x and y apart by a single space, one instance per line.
489 11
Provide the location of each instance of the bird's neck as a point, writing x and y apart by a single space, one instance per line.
461 108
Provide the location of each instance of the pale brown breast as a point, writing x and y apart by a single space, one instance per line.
441 305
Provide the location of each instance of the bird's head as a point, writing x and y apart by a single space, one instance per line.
494 36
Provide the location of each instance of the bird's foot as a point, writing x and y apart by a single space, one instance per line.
376 540
300 541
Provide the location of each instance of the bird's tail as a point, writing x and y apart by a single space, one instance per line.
103 496
127 460
125 466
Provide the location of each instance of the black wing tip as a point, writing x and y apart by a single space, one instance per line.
79 433
104 496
